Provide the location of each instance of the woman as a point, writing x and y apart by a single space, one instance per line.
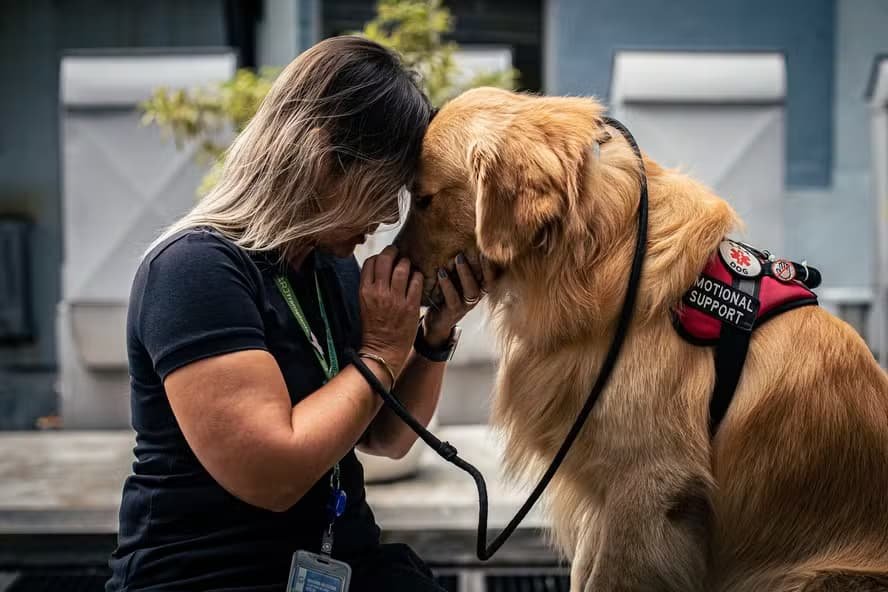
245 408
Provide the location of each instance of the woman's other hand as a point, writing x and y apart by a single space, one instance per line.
439 322
390 300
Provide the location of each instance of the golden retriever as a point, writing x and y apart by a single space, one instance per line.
790 495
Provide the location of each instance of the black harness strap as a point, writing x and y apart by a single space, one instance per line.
730 357
733 342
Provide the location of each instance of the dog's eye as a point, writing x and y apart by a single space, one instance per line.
422 201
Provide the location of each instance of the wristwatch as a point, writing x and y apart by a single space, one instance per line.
441 353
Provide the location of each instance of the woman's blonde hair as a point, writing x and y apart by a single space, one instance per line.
331 147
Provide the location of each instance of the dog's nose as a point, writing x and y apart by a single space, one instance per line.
401 245
405 237
399 238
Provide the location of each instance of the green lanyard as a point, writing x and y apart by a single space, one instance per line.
330 368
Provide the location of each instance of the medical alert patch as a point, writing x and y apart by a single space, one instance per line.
739 259
723 302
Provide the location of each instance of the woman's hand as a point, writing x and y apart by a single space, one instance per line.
390 300
439 322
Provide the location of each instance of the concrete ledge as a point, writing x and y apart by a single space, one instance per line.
58 485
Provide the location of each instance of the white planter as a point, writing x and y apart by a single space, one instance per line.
122 183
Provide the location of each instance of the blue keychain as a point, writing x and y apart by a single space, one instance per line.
336 505
335 509
321 573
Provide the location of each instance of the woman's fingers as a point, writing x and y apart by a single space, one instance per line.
400 277
471 292
367 271
451 297
385 261
390 302
414 290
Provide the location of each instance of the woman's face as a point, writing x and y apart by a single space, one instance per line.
342 243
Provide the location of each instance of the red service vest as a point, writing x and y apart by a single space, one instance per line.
716 298
739 290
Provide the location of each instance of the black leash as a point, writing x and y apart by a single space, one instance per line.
450 454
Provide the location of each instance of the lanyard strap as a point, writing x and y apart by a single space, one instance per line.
330 368
337 502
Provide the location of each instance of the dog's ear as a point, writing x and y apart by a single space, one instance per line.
527 175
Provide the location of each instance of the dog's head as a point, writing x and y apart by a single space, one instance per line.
500 176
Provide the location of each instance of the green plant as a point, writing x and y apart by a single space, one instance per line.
416 29
201 113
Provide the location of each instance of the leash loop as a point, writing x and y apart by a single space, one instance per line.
449 453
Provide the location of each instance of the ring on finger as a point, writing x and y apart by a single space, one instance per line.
471 301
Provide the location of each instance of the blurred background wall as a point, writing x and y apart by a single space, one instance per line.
33 35
559 46
584 35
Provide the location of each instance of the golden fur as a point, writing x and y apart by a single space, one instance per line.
791 495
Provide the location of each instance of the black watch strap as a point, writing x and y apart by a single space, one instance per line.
429 352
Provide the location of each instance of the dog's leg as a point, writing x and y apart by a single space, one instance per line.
581 566
586 548
656 536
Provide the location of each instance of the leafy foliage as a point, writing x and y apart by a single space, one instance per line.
417 29
203 114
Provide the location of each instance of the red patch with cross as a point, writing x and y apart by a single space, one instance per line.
739 259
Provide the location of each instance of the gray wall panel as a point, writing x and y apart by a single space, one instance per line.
585 33
33 34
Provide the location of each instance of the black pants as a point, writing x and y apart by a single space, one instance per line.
386 568
392 568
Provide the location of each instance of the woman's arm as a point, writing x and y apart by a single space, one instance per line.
418 388
234 408
235 413
419 385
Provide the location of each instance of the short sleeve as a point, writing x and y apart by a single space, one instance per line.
199 298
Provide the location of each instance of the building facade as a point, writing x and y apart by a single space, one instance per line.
560 47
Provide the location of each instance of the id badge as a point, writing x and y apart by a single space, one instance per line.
310 572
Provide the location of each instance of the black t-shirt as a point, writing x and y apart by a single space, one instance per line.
194 296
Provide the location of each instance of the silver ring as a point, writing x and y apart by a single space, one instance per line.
472 301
